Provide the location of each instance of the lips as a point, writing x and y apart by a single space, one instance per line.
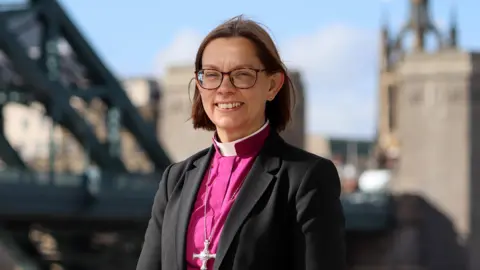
228 105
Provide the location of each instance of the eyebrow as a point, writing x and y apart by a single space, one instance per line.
210 66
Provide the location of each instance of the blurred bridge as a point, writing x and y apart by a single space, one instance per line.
44 58
93 220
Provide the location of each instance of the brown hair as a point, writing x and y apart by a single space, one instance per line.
279 110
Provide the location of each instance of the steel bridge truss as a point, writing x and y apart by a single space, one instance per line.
44 58
70 220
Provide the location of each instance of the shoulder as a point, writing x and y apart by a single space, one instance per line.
181 166
297 159
176 170
306 171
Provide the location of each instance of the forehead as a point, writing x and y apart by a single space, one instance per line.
228 53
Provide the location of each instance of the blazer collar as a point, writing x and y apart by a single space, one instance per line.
255 184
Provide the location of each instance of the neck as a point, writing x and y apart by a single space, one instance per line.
232 135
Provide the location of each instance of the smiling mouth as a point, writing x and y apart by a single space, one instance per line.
228 106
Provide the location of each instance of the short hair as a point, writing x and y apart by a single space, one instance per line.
279 110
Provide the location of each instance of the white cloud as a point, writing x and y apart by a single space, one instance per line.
338 64
181 51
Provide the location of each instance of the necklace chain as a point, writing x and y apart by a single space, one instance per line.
206 202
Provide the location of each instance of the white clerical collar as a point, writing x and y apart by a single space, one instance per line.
228 149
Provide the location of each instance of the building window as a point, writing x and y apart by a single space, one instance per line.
392 107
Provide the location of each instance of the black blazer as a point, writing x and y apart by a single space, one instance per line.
287 214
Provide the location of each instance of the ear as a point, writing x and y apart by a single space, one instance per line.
276 82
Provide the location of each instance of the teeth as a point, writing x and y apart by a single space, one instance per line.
228 105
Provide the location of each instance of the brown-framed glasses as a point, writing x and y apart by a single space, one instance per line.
242 78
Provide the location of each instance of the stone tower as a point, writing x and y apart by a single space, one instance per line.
295 132
175 129
430 123
439 134
392 52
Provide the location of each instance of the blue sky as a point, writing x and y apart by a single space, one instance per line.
333 43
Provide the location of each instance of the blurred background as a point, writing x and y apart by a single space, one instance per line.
95 104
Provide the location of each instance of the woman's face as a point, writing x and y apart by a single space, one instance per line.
235 111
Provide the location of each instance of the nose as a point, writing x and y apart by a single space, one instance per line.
226 86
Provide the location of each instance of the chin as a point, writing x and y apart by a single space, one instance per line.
228 123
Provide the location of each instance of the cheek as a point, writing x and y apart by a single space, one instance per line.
206 101
259 94
262 89
255 100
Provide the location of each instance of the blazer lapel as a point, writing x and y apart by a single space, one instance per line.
255 184
191 184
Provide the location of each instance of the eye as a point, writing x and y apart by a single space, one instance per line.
211 74
244 73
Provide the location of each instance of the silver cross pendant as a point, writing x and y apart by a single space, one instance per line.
205 255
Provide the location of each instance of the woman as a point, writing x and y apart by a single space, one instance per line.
251 201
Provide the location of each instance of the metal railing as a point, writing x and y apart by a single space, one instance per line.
133 182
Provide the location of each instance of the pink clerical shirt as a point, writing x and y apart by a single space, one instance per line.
228 168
